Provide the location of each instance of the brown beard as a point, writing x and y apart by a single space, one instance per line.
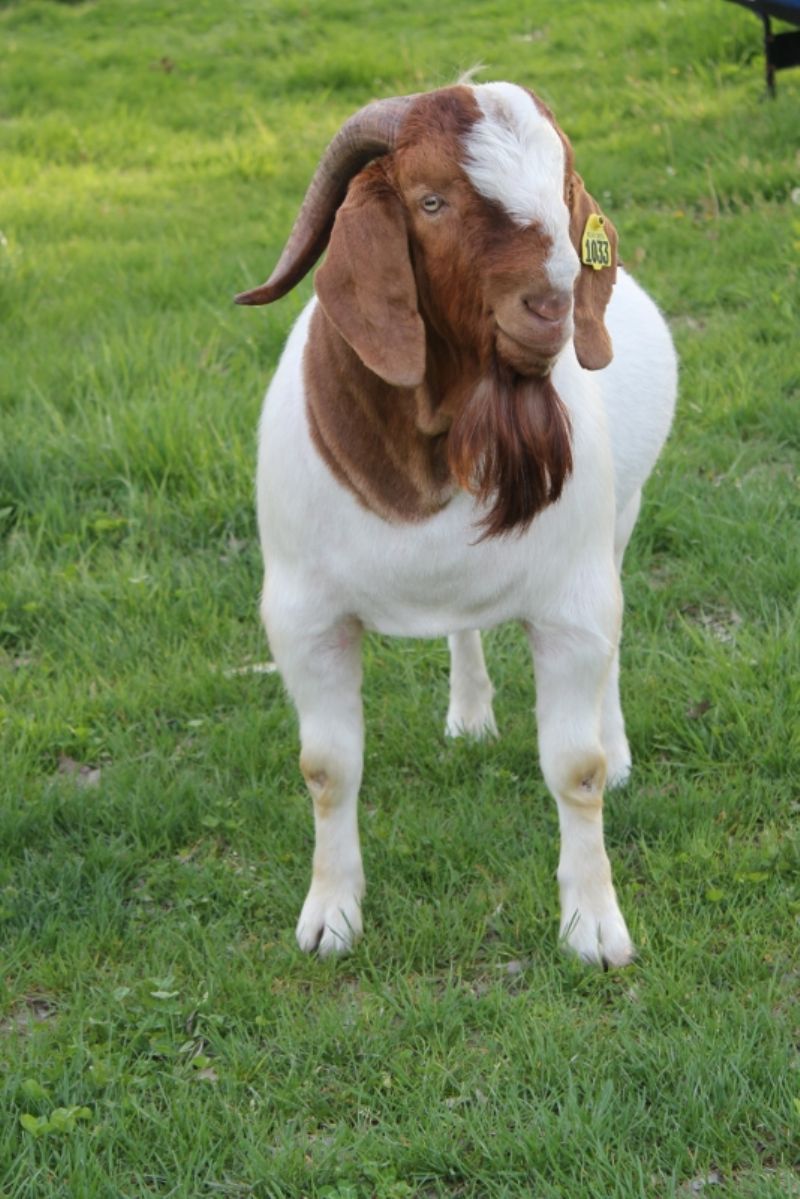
510 443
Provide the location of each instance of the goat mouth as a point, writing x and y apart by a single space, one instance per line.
533 355
540 333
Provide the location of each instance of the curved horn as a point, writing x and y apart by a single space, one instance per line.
368 134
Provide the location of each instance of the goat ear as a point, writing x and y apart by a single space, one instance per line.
366 284
594 286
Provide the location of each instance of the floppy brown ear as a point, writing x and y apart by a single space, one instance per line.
366 284
595 284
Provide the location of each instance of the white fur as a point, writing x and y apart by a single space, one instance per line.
515 157
333 568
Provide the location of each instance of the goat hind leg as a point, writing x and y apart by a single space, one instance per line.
322 673
470 709
614 737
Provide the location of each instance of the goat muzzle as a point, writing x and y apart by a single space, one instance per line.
531 329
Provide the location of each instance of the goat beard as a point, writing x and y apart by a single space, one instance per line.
510 446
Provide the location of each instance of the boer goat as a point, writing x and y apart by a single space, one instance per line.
448 444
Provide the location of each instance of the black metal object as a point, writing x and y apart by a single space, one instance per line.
781 50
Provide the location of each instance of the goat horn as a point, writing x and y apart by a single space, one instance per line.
368 134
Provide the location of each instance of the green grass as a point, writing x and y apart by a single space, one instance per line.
152 156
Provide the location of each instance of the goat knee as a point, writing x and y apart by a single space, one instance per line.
330 778
577 777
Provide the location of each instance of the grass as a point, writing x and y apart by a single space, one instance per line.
159 1033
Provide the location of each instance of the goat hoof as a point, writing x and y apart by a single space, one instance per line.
330 921
597 934
478 723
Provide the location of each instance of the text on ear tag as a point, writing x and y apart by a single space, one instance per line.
595 246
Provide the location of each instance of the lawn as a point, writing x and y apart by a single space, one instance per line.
160 1034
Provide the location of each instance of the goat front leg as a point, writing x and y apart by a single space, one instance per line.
571 667
322 673
470 710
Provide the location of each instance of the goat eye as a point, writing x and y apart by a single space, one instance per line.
432 203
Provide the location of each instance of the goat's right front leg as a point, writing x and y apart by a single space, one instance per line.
322 673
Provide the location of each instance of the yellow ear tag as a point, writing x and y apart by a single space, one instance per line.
595 246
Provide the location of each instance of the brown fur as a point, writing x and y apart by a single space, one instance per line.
593 289
366 284
368 431
412 391
510 444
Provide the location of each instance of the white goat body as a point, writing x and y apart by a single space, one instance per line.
334 568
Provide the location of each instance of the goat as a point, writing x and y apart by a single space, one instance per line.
447 445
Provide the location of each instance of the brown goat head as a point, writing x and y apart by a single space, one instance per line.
455 264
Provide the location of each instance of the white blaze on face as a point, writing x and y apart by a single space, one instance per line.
515 157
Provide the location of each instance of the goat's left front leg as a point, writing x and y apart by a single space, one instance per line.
571 667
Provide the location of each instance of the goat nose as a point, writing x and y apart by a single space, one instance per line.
550 306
